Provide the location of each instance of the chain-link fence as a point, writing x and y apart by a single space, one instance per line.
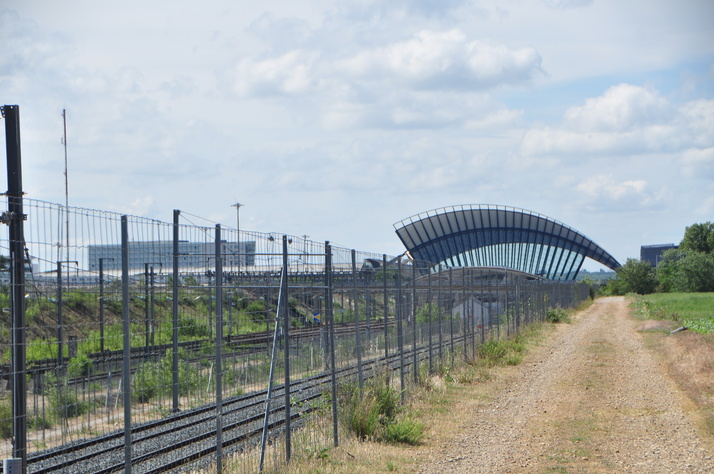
166 342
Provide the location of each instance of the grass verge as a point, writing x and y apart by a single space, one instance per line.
437 405
693 310
688 355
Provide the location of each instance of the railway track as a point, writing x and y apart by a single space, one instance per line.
188 436
233 341
240 345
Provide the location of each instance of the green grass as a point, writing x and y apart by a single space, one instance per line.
494 352
694 310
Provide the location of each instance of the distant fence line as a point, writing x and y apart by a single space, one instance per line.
132 320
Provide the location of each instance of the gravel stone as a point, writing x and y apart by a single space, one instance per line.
593 399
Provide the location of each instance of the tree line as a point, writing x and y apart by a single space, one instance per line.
688 268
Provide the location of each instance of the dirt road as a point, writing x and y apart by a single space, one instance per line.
592 399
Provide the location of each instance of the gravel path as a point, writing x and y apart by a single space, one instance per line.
592 399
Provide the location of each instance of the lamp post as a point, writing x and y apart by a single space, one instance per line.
238 206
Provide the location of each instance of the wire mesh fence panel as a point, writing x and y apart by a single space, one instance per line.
220 322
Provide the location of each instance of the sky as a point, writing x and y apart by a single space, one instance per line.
336 120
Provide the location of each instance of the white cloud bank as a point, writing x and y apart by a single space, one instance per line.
627 119
372 110
431 79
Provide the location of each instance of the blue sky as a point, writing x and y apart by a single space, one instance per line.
338 119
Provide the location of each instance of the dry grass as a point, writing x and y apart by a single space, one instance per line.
439 403
691 361
359 457
689 358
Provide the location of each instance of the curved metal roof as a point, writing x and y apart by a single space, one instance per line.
491 235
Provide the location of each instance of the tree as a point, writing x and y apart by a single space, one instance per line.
691 267
635 276
697 270
668 270
699 238
686 271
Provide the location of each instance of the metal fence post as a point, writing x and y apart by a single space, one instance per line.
517 284
60 322
358 340
508 313
330 315
368 306
483 309
386 308
428 303
219 354
451 312
472 303
441 323
415 367
400 333
126 327
101 303
175 315
14 218
286 338
464 316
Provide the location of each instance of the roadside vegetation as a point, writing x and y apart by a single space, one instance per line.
695 311
688 354
686 269
380 434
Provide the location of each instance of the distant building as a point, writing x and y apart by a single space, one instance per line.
192 255
653 253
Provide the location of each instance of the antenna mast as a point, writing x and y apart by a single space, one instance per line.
66 188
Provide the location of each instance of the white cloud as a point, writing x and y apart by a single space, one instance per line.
626 119
443 60
705 209
434 79
567 3
699 164
604 192
697 123
370 110
499 118
140 206
291 73
620 109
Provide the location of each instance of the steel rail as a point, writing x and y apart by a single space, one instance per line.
205 414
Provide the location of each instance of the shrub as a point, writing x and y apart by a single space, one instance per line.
80 366
388 401
156 378
557 315
64 403
145 385
362 416
405 431
192 328
492 351
374 415
38 422
256 311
